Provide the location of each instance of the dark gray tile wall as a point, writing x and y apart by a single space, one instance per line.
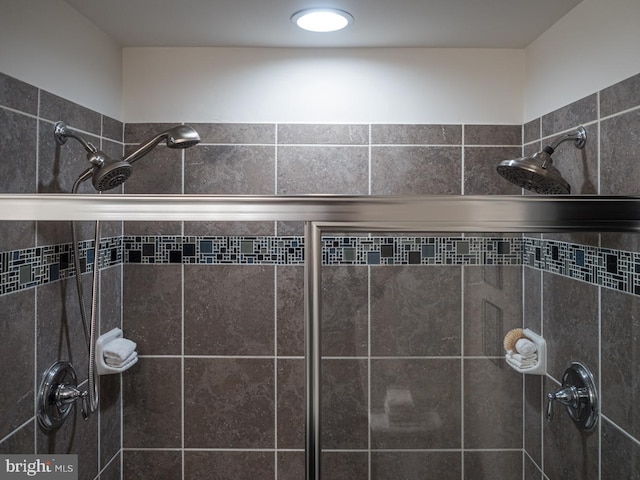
588 323
43 324
187 318
240 336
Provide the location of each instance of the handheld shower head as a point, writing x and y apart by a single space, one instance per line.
105 172
537 173
180 136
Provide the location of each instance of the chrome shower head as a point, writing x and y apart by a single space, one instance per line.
537 173
105 172
111 174
180 136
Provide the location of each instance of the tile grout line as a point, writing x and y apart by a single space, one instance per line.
369 372
462 363
182 370
275 370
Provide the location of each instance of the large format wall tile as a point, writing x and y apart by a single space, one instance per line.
152 308
229 465
493 135
236 133
570 324
60 334
152 465
409 413
159 172
75 435
16 325
322 169
18 95
533 417
290 310
492 465
620 454
230 170
406 170
229 310
415 466
18 148
492 306
344 404
21 442
621 96
620 359
344 311
415 311
416 134
492 405
291 403
152 404
55 108
323 134
228 403
577 113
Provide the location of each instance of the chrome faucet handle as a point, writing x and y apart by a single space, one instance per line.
68 394
578 395
568 396
84 409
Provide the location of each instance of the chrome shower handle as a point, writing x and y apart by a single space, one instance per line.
68 394
569 397
578 395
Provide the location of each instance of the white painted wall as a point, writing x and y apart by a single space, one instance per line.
48 44
325 85
594 46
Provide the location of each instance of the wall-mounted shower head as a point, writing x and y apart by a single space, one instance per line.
111 174
537 173
180 136
105 172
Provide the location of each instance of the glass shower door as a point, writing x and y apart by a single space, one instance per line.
414 383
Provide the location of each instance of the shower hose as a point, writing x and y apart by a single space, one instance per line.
89 326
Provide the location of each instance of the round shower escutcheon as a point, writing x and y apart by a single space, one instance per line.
52 412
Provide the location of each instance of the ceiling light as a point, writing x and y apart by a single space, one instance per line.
322 19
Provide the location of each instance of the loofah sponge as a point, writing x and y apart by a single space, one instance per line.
512 337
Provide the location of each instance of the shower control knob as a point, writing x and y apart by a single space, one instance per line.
578 395
84 409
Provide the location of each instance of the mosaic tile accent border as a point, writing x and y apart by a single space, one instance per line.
615 269
335 250
214 250
22 269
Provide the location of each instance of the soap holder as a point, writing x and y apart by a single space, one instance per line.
540 368
101 366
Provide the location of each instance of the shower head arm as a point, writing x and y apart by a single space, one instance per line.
62 133
84 176
145 148
579 137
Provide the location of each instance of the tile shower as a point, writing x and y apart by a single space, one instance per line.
216 308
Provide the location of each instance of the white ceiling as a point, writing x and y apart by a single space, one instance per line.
378 23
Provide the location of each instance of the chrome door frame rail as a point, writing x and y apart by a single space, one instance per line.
329 213
451 213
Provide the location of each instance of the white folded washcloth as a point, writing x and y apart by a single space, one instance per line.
522 358
118 350
126 363
526 347
517 365
528 363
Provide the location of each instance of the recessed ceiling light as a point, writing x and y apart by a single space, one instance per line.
322 19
